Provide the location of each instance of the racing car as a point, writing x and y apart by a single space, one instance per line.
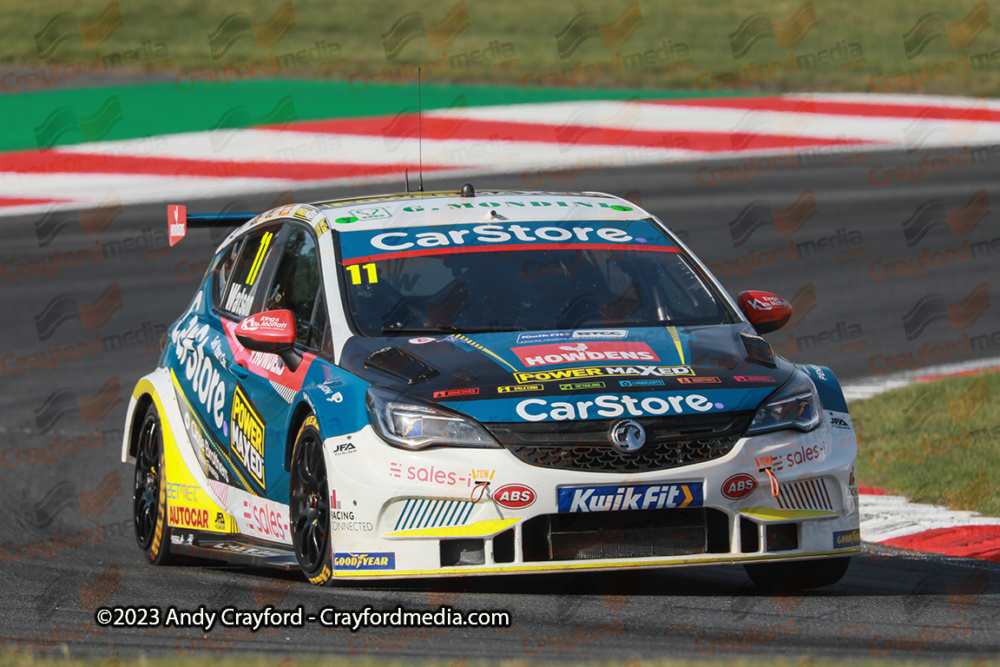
435 384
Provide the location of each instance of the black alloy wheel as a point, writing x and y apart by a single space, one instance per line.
309 505
149 495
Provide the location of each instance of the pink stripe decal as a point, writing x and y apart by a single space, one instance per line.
511 247
269 366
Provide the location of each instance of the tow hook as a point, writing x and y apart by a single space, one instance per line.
765 463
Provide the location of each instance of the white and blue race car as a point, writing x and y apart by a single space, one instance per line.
459 383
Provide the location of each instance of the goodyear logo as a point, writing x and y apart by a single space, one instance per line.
376 561
618 372
247 436
845 539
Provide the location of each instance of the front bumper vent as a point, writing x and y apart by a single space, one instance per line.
671 442
808 494
633 534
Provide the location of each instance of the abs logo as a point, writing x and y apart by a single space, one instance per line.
739 486
514 496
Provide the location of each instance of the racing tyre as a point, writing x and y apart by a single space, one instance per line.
309 505
799 575
149 495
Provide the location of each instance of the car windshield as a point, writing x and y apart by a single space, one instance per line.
521 277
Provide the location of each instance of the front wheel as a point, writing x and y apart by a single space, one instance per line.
149 495
797 575
309 505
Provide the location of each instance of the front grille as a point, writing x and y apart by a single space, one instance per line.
808 494
632 534
671 442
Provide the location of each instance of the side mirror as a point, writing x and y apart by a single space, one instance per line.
271 331
766 312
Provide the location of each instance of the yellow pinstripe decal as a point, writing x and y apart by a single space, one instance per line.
479 347
552 567
264 243
772 514
677 343
478 529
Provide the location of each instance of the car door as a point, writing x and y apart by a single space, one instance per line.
236 293
264 387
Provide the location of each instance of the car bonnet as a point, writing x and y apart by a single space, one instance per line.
724 368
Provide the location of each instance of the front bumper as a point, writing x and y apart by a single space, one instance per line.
460 512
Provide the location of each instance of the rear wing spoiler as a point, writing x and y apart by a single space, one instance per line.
178 221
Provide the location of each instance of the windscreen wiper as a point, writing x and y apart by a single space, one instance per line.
447 328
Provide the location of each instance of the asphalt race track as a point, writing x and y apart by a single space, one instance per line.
888 270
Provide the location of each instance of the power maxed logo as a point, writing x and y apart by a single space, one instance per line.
640 497
602 371
248 436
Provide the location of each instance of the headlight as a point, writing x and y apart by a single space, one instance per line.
408 423
795 405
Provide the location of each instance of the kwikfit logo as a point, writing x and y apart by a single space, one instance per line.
640 497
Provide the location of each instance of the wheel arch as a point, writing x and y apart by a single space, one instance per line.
831 395
142 403
299 415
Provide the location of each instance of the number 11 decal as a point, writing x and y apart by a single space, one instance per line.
355 272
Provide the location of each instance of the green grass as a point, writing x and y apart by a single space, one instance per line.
353 31
935 442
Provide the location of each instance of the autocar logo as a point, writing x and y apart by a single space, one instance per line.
628 436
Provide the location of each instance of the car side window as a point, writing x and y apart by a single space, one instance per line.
296 285
222 270
319 333
258 250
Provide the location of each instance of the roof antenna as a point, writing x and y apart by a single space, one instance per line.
406 178
420 140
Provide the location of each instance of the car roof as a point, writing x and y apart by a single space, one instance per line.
432 208
411 209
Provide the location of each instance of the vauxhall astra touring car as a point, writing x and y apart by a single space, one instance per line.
460 383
